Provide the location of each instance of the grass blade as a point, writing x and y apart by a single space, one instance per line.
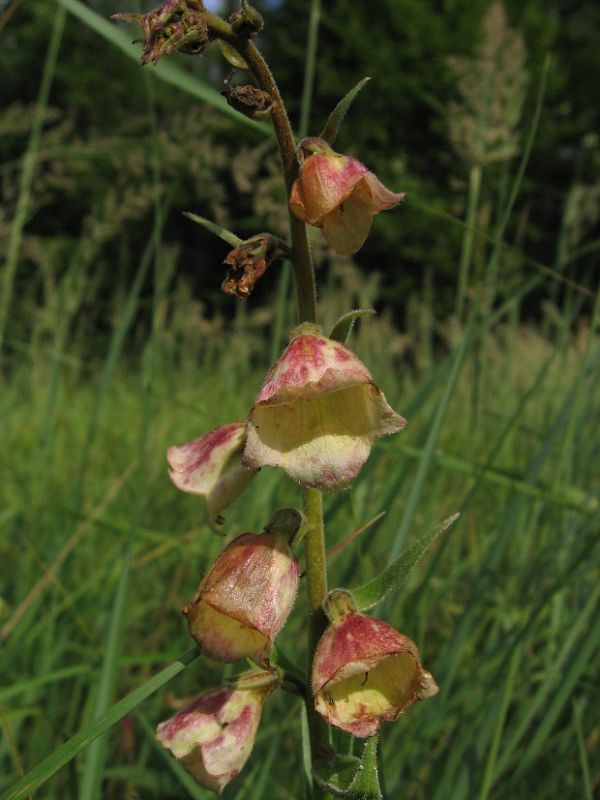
67 751
96 755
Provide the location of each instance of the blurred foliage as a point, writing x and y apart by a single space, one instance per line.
118 142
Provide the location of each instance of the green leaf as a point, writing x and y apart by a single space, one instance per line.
347 776
222 233
373 592
330 131
336 775
165 70
231 55
365 786
341 329
67 751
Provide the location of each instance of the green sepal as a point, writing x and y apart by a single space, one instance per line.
350 777
370 594
341 329
231 55
222 233
330 131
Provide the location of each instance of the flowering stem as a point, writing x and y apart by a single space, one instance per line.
300 256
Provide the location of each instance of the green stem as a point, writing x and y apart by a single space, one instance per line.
316 577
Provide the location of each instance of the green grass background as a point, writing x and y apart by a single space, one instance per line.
99 551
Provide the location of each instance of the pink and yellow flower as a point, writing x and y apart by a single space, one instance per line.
245 598
338 194
211 467
317 415
364 672
214 736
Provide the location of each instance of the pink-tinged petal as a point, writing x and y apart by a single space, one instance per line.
214 736
325 181
372 192
245 598
365 673
211 467
310 365
347 226
317 415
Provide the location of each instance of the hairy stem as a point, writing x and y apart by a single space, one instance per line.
300 257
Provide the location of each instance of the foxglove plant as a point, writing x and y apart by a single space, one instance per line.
316 417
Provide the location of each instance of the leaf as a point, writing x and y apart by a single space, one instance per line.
341 329
349 777
231 55
222 233
330 131
365 786
373 592
337 774
165 70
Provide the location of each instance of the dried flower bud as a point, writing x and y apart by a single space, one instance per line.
176 25
249 100
247 22
246 597
317 415
338 194
211 467
365 672
247 263
214 736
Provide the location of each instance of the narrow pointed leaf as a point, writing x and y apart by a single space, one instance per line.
373 592
330 131
365 785
222 233
341 329
231 55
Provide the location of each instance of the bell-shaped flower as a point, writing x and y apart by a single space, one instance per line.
364 672
214 736
245 598
318 414
211 467
338 194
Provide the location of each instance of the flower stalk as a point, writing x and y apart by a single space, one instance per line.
306 301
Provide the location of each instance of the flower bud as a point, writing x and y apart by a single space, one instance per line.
211 467
176 25
214 736
248 262
364 672
246 597
247 22
318 414
338 194
249 100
